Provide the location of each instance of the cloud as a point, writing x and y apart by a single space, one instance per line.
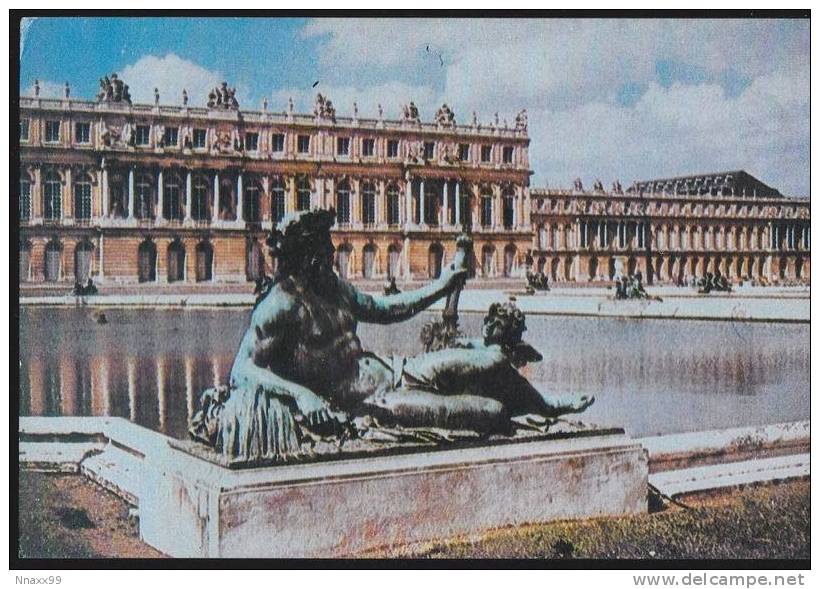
170 74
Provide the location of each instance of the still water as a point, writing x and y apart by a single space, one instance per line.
650 376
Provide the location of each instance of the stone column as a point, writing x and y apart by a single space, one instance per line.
291 195
422 204
408 204
381 204
445 205
215 207
67 200
240 198
159 196
131 192
105 193
101 273
188 197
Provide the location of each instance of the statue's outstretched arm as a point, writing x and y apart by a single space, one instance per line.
402 306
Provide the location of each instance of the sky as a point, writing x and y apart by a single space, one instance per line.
610 99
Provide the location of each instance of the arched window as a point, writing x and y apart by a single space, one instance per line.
25 261
117 196
277 194
176 261
508 212
52 197
147 261
368 204
204 261
487 260
486 210
25 197
393 205
369 261
54 261
343 203
82 200
343 260
172 197
227 204
83 255
255 265
393 260
251 201
144 197
432 202
435 259
303 194
201 199
509 260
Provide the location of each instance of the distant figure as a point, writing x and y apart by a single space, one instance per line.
90 288
391 288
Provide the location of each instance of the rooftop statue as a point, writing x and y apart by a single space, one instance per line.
521 121
445 117
410 112
223 98
113 90
323 108
301 372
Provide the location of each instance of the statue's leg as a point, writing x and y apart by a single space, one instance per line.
411 407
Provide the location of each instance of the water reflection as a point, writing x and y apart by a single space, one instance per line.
652 376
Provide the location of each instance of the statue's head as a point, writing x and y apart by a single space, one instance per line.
504 325
302 245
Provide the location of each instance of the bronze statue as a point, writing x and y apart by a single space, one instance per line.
301 371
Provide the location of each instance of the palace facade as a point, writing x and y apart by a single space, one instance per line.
672 230
152 193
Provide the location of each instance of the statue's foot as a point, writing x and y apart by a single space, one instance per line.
581 404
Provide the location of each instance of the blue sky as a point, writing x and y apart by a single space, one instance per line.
627 99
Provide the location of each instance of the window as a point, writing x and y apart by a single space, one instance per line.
24 124
486 153
200 199
82 133
343 146
343 203
200 138
252 141
143 135
368 204
52 197
486 211
507 155
392 148
171 137
303 144
392 205
25 200
252 200
82 201
464 151
172 198
303 194
52 131
278 143
277 192
144 205
368 147
429 149
508 213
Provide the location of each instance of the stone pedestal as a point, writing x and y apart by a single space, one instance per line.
190 507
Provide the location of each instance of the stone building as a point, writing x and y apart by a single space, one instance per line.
672 230
130 193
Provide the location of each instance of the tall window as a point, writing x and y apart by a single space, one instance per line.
25 200
251 201
393 204
200 138
172 198
24 129
277 193
486 153
82 133
509 210
368 204
303 194
200 199
368 147
82 200
464 151
252 141
52 197
144 198
143 135
343 146
303 144
278 143
52 131
429 150
171 137
392 148
486 210
507 155
343 203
